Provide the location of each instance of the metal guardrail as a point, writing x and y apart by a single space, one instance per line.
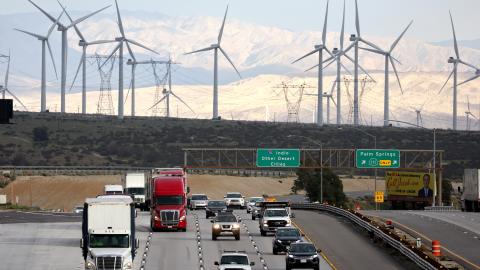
75 168
441 209
421 262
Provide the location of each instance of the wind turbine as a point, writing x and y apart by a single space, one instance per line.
319 49
122 39
389 60
4 88
83 61
215 48
44 40
456 61
469 113
64 29
418 112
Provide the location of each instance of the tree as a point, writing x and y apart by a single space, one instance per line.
447 189
310 181
40 134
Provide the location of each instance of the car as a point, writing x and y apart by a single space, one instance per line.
214 207
251 203
256 209
225 224
302 255
198 201
284 237
78 209
234 260
235 199
273 218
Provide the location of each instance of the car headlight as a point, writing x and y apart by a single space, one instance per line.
182 218
278 241
90 265
216 226
314 256
290 256
128 265
236 226
265 222
157 218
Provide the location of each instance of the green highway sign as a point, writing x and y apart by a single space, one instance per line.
377 158
278 158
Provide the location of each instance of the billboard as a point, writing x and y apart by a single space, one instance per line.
412 184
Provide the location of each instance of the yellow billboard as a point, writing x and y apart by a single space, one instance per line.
413 184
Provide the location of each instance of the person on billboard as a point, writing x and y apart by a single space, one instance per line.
426 191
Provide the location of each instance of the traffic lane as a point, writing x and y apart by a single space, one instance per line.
10 217
346 246
171 249
212 250
467 220
266 245
464 245
41 246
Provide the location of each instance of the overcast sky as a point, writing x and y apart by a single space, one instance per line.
378 17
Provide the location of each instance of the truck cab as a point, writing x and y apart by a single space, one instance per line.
113 190
274 215
168 203
108 233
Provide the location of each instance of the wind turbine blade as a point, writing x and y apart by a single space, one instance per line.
333 100
467 64
342 32
305 56
119 18
396 74
357 19
229 60
31 34
333 86
54 24
16 98
345 68
44 12
74 26
327 65
79 20
142 46
131 52
448 79
220 34
201 50
469 80
324 33
111 55
395 43
158 102
348 48
181 100
329 59
360 67
396 60
372 50
8 71
101 42
312 68
468 103
370 44
51 56
78 71
455 44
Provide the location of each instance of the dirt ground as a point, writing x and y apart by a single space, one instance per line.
357 185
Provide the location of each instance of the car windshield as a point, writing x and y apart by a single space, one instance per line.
216 203
288 233
226 218
109 241
234 195
199 197
302 248
169 200
138 191
253 200
234 259
275 213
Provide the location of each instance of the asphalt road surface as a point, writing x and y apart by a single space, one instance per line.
7 217
457 232
346 246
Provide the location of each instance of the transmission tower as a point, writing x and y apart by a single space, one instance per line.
105 102
293 98
160 102
365 84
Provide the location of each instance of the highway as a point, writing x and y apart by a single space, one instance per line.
346 246
34 241
457 232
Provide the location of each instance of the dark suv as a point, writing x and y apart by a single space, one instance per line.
302 255
214 207
284 237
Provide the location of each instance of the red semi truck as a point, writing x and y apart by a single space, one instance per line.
168 201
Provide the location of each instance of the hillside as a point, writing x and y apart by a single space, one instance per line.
77 140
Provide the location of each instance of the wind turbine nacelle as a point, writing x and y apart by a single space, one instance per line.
335 50
214 46
82 43
119 39
353 37
318 47
451 60
129 62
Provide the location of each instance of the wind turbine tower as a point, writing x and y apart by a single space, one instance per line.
4 88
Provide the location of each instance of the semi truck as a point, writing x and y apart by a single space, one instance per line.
113 190
168 203
134 185
471 190
108 232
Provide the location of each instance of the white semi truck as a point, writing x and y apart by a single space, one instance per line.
113 190
108 233
134 184
471 190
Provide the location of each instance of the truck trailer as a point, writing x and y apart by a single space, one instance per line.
168 203
471 190
108 233
113 190
134 185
